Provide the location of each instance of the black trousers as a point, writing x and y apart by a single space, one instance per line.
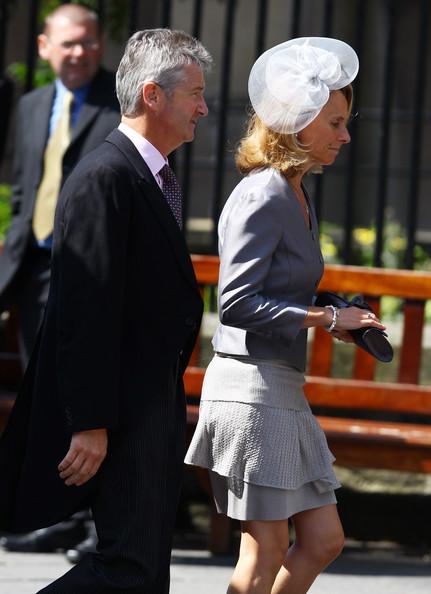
135 507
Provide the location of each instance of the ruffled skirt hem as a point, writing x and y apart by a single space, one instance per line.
241 500
261 445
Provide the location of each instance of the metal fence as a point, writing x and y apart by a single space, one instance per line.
382 177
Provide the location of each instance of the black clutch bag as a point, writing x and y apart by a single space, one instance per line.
372 340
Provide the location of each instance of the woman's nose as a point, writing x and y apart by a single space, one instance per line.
344 136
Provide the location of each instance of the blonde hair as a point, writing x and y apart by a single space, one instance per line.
262 147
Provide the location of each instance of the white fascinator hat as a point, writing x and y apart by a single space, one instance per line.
290 83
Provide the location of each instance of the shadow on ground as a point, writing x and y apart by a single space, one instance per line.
368 561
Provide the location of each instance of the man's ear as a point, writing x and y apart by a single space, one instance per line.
43 46
152 96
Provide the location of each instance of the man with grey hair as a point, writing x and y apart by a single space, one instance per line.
100 420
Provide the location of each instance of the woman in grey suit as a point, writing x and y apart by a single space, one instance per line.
267 456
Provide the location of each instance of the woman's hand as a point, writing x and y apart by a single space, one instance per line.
352 318
343 335
349 318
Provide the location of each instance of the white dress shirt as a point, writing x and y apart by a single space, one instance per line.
152 157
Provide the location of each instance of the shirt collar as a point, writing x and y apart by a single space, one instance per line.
79 94
152 157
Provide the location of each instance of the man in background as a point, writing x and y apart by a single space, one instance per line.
56 126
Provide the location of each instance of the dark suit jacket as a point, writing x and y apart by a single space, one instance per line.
99 115
6 100
122 316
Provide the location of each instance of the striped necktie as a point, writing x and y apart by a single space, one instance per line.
49 188
172 192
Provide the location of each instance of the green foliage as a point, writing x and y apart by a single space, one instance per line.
330 236
43 74
47 7
363 244
394 248
422 258
391 307
5 212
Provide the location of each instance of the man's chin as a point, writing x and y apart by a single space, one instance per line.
189 138
193 132
74 80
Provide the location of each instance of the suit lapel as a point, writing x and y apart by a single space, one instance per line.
157 201
91 107
38 124
86 116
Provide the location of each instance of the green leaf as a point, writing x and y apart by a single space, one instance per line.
5 210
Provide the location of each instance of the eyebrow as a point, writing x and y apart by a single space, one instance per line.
339 117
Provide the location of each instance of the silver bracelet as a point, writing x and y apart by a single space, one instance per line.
334 318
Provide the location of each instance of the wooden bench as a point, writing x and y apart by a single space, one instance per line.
368 423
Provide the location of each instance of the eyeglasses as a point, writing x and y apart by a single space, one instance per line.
88 45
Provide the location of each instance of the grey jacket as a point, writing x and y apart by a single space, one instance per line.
270 267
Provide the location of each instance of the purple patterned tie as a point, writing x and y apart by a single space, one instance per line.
172 192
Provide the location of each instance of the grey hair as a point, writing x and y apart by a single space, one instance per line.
157 55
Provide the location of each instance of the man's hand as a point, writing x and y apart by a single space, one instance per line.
86 453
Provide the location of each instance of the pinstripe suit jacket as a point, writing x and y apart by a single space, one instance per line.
122 316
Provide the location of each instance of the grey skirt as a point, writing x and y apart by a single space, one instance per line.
267 454
244 501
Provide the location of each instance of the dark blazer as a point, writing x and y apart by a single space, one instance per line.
6 101
99 115
122 316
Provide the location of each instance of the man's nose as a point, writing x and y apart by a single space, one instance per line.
77 50
203 108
